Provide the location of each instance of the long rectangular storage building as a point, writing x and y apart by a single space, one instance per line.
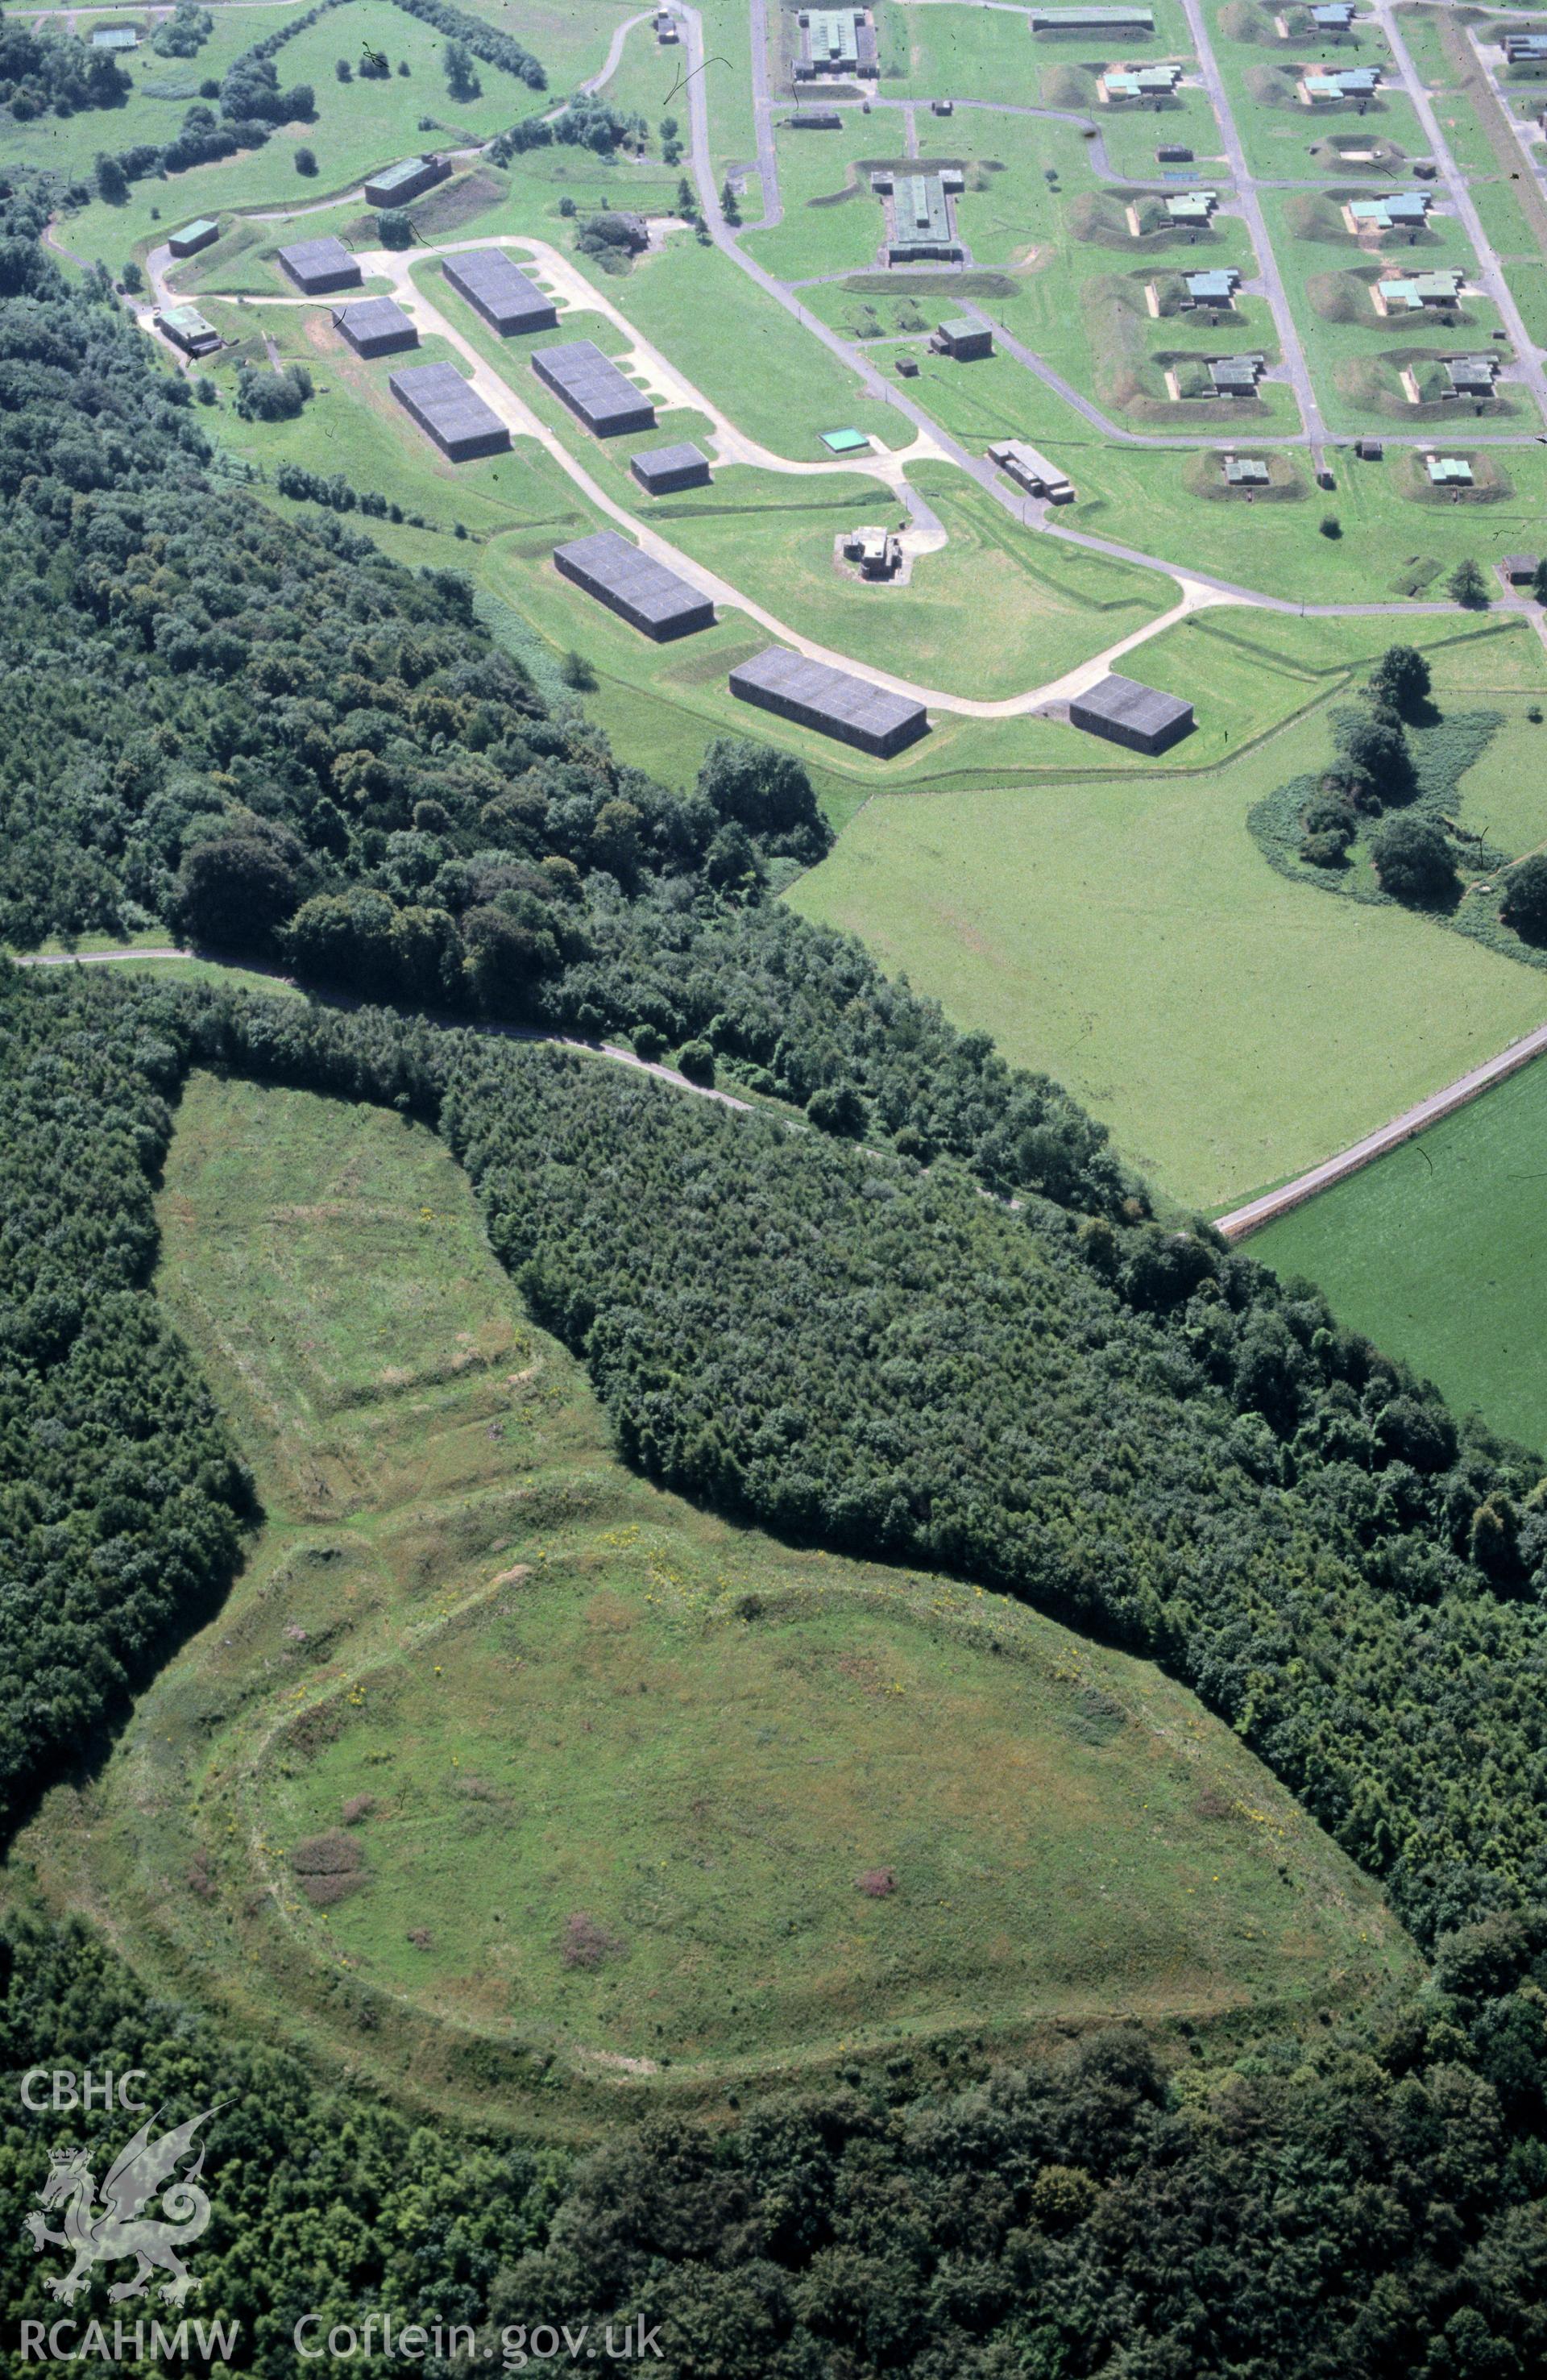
319 265
1125 712
395 185
593 387
450 411
500 291
645 593
813 695
377 326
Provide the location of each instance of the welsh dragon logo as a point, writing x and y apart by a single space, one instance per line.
106 2232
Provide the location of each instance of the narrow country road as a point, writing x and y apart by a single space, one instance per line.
762 117
1490 271
615 53
1251 1218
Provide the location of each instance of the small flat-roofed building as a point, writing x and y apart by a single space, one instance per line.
1245 471
1334 17
662 469
187 328
318 266
605 399
449 410
377 326
877 551
817 119
409 178
812 694
1348 82
1519 569
1092 20
1472 375
1173 152
1216 287
1526 49
845 441
1031 470
643 592
1236 375
942 107
1125 712
1139 82
1394 211
1192 206
116 37
500 291
963 338
1410 295
922 226
665 27
1370 450
836 42
193 236
1448 471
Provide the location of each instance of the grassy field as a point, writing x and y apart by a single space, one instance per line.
1439 1252
599 1774
1127 935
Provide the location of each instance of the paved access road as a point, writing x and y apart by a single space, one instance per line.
1266 1209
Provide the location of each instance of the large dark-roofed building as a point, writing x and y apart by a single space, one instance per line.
1125 712
643 592
449 410
319 265
377 326
395 185
591 385
662 469
500 291
812 694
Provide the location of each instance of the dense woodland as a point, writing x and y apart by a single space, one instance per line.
1128 1426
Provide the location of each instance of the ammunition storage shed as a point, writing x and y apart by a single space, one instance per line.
395 185
193 236
1125 712
849 709
318 266
593 387
187 328
450 411
963 338
662 469
645 593
498 290
377 326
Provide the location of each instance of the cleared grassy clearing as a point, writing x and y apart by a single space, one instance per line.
602 1776
1126 935
357 126
832 219
1439 1251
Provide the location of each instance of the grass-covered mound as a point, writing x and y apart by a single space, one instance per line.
1384 384
1491 483
532 1748
1203 475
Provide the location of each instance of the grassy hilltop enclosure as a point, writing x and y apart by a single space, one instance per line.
502 1744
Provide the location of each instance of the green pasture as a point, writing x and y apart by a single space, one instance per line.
1282 138
1390 544
1439 1252
957 53
832 219
1126 934
604 1778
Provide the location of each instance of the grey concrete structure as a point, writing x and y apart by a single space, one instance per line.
395 185
1125 712
377 326
449 410
645 593
663 469
605 399
318 266
500 291
812 694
